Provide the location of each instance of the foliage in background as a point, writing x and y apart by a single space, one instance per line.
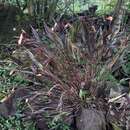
47 11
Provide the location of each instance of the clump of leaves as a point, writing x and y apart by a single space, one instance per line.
70 68
15 122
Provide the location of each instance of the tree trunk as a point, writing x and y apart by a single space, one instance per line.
118 17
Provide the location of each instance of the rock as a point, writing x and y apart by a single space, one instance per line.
9 104
91 119
3 110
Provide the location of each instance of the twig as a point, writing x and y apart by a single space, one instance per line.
116 98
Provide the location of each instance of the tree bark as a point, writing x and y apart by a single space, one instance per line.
118 17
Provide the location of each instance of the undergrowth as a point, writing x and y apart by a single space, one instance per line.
15 123
9 81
